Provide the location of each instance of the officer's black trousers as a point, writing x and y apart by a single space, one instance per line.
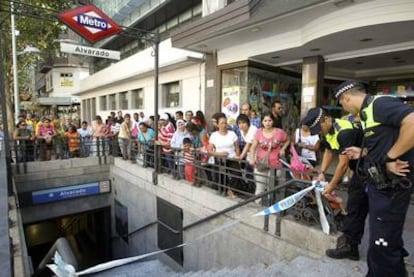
387 210
357 208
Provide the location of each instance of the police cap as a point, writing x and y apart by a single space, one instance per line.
313 119
345 86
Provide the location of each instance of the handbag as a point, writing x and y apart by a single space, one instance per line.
300 169
134 132
263 164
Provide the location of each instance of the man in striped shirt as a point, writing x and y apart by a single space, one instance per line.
166 132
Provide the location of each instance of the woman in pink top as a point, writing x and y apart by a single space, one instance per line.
268 141
99 132
44 136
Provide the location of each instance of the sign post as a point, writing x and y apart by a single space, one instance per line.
94 25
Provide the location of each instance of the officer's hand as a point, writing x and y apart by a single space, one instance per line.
399 167
321 177
352 152
328 189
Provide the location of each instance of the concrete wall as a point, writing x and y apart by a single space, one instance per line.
58 173
132 189
5 253
243 243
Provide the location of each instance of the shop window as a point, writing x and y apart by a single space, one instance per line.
233 90
123 100
102 103
137 99
112 102
171 95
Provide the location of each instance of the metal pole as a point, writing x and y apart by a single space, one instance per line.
14 56
156 41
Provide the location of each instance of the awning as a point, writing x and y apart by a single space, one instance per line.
58 100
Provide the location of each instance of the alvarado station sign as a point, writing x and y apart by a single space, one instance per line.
89 51
90 23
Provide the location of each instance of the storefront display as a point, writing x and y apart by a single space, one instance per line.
403 88
260 88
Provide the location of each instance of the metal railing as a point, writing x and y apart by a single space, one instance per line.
220 174
62 246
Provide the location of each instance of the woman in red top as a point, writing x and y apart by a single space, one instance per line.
272 142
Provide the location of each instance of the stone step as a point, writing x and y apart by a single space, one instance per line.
300 266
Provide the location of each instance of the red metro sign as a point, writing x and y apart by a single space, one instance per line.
90 22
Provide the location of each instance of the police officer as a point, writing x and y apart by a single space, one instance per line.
388 164
339 134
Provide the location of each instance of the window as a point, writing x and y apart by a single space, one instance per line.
102 103
171 95
123 100
93 107
185 16
172 23
137 99
85 115
112 102
66 80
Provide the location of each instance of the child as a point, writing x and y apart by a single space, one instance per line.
73 141
189 168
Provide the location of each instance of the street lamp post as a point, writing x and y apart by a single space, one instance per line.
14 58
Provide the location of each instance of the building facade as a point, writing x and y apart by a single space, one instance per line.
128 85
254 51
298 51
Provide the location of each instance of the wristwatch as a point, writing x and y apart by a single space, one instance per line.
387 159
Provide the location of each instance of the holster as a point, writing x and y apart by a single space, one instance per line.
383 179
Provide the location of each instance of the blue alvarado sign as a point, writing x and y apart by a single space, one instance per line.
69 192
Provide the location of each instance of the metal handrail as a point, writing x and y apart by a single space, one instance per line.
138 229
63 247
238 205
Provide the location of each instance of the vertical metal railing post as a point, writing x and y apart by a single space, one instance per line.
156 42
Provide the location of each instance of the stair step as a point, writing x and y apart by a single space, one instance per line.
300 266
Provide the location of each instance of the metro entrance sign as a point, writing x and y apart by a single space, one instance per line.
90 22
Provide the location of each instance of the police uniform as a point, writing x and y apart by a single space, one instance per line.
345 134
381 117
388 195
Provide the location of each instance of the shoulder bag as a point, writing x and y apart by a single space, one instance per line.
263 164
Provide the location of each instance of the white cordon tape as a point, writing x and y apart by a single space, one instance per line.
62 269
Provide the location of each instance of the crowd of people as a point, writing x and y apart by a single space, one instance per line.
212 143
373 142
